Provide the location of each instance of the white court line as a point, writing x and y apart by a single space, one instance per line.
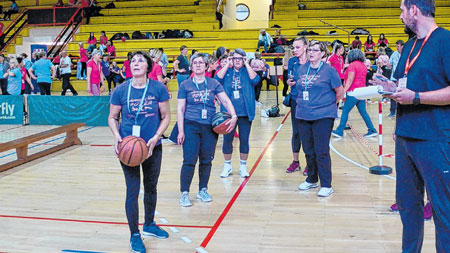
186 239
355 163
201 250
173 229
163 221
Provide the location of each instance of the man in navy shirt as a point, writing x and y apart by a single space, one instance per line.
422 156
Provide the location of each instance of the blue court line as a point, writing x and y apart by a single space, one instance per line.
80 251
47 142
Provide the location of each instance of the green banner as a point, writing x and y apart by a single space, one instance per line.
11 110
61 110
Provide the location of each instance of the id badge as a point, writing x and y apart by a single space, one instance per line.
236 94
136 131
306 95
402 82
204 114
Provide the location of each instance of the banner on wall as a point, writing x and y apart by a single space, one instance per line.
62 110
11 110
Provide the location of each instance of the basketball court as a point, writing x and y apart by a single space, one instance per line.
73 200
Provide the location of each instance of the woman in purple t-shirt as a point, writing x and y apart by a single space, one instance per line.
195 111
143 106
319 87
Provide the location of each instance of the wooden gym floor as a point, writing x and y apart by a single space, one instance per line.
73 200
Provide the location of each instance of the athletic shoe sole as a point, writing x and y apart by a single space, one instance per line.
309 187
326 195
153 235
208 200
370 135
337 135
134 251
230 172
290 171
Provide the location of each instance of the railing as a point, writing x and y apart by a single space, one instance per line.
71 25
15 27
337 27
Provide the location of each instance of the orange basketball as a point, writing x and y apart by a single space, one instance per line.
133 151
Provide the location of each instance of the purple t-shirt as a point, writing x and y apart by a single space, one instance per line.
193 96
148 117
322 97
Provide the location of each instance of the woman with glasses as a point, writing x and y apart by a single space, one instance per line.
300 45
239 80
195 111
319 87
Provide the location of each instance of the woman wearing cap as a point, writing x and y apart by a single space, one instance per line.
94 77
147 100
239 80
195 111
45 72
319 88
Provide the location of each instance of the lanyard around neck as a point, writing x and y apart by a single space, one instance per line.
307 82
203 97
140 104
410 64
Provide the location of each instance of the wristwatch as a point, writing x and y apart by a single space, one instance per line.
416 100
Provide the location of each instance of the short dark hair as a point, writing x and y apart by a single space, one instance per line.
146 57
183 47
356 55
427 7
400 42
200 55
24 55
239 51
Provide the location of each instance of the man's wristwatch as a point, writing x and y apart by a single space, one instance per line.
416 100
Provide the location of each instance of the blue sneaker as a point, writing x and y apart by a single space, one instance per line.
155 231
136 244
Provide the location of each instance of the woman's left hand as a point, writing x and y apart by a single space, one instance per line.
151 145
231 124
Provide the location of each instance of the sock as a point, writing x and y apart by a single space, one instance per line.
296 161
243 162
228 162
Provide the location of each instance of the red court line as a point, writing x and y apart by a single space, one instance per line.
93 221
239 190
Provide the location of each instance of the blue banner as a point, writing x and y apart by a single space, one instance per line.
11 110
61 110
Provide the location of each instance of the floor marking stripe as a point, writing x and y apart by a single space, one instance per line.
239 190
95 222
80 251
186 239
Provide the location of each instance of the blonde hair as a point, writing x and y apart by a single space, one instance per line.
155 53
381 51
287 55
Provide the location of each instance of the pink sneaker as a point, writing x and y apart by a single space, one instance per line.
394 208
293 167
427 212
305 172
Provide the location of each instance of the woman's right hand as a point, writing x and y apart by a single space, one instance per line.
290 82
116 145
180 138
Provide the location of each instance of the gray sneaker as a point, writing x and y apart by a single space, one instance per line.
184 199
204 196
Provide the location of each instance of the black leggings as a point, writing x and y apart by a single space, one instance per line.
8 13
83 69
45 88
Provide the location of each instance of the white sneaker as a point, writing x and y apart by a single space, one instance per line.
243 171
258 103
325 192
226 171
204 196
184 200
305 186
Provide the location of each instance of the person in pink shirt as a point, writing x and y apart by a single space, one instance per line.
103 38
27 86
355 77
369 45
126 68
382 41
83 58
92 41
258 66
111 50
336 60
157 71
94 77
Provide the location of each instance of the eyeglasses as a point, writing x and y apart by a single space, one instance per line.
238 58
313 50
197 63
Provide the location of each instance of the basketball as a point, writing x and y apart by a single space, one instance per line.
219 122
132 151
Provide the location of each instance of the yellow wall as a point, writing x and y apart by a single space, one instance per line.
259 14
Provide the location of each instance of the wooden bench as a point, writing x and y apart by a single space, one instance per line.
21 145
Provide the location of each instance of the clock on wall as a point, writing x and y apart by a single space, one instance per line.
242 12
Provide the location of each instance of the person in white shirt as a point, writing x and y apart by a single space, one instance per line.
66 69
264 40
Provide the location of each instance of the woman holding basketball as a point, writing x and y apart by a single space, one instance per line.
239 80
144 108
195 111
